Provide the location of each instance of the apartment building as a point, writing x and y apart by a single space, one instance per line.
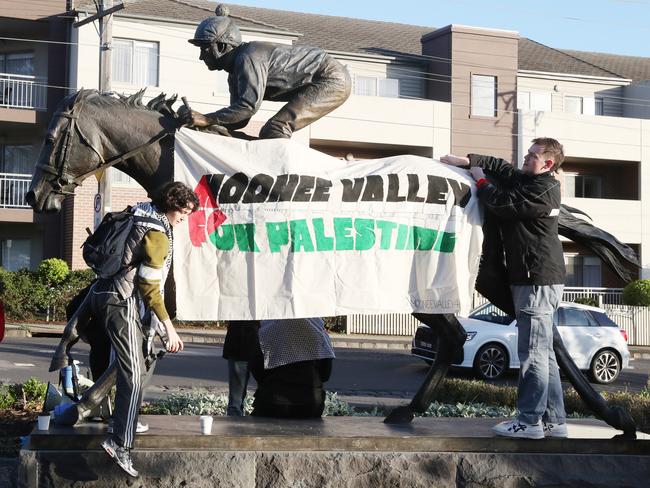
417 90
33 54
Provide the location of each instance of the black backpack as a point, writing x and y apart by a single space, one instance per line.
104 249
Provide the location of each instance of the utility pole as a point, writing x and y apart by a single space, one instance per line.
105 9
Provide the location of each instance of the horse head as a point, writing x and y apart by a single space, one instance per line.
91 131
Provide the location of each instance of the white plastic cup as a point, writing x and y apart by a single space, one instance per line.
206 424
43 422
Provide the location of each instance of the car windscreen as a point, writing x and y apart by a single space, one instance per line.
490 313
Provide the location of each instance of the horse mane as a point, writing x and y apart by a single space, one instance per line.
159 104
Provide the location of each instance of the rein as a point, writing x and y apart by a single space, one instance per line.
61 173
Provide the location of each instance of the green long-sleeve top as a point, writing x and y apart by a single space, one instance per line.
155 246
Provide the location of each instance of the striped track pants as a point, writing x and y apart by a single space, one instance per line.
122 323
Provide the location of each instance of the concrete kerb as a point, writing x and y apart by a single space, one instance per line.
217 336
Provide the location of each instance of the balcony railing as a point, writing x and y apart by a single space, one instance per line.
13 188
20 91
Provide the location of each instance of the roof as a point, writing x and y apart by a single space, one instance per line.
345 34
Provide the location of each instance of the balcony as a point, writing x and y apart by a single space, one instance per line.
13 188
23 92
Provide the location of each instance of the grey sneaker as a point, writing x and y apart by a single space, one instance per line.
555 430
121 455
518 429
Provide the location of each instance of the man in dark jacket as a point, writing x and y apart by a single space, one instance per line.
310 80
526 204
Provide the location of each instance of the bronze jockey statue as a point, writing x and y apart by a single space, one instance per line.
307 78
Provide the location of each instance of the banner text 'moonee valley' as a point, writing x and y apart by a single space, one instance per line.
263 188
216 189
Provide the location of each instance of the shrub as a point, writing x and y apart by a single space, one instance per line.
34 392
591 301
23 294
335 324
53 271
27 295
637 293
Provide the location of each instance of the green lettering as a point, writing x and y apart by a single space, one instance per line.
343 234
365 234
223 237
386 229
424 238
323 242
245 234
446 243
300 238
278 235
402 236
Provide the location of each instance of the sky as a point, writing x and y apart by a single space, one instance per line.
608 26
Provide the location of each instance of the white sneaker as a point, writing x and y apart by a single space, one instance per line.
519 429
555 430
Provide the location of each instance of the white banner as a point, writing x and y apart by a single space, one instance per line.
285 231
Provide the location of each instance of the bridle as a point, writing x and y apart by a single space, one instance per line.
62 177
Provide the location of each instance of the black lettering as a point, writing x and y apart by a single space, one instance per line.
437 191
321 192
352 191
374 190
283 188
393 189
233 188
303 192
258 189
461 191
414 187
214 182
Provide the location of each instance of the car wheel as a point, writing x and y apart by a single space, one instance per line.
605 367
491 361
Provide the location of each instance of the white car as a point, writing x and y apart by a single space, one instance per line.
593 340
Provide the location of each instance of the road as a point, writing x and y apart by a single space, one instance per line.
357 372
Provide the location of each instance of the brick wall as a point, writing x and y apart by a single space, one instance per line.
78 214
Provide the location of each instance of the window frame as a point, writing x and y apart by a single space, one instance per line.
376 81
134 43
472 95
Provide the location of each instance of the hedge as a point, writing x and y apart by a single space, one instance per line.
36 295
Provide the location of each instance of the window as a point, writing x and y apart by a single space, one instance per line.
583 186
599 106
523 100
602 319
490 313
17 63
540 101
484 96
573 105
120 178
372 86
15 254
575 317
16 159
135 62
582 270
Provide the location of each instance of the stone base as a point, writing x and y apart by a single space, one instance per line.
337 452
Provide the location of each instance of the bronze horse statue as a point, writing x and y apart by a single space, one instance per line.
91 131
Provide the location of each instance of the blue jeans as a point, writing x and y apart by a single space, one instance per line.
540 390
238 374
